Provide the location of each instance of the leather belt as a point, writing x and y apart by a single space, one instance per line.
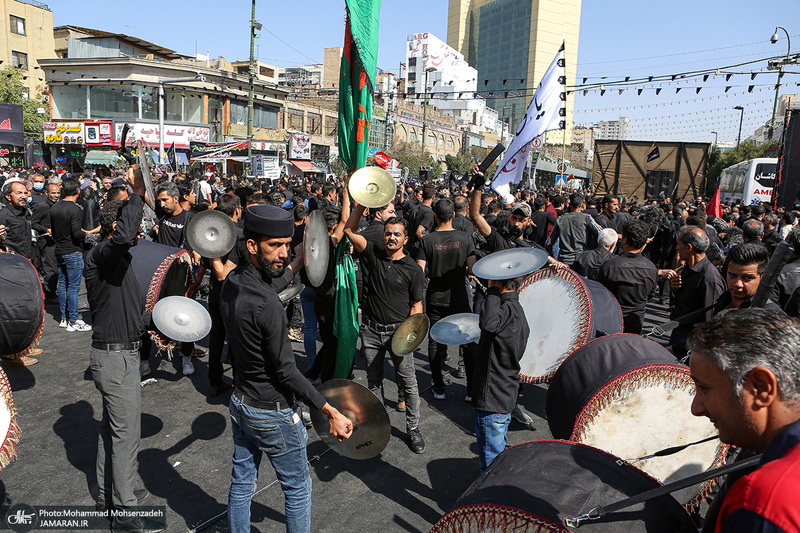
258 404
381 328
116 347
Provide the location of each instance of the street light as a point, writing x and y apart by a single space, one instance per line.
773 40
741 118
254 25
716 137
425 107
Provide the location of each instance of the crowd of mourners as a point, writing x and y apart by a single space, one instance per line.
413 255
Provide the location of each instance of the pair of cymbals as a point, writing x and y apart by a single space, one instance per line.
458 329
509 264
290 292
410 334
316 248
371 426
372 187
211 234
181 319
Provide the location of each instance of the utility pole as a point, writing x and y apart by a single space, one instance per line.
425 108
251 74
741 119
787 60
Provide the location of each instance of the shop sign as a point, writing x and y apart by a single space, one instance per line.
63 132
98 133
181 135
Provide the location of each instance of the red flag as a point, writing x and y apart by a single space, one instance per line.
714 207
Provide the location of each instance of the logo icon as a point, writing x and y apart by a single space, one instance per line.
6 124
22 517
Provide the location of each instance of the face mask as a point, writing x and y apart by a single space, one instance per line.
30 199
38 186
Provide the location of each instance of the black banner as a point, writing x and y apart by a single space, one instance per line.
171 158
11 126
37 155
221 150
655 154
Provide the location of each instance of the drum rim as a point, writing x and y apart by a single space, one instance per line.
600 400
154 289
37 336
454 516
584 303
8 444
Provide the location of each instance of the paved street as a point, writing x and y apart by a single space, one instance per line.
185 452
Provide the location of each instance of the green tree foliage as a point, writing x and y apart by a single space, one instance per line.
411 155
718 160
463 162
12 91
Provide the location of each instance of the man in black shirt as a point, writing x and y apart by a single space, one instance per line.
448 255
698 285
461 221
40 222
589 262
15 216
395 286
119 322
374 231
631 277
541 220
610 206
421 220
265 418
66 217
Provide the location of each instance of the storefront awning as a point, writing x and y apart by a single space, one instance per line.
306 166
103 157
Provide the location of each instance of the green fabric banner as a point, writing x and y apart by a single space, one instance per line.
357 80
345 317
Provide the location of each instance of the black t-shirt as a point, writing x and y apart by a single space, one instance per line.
66 218
446 253
172 230
392 286
238 256
421 216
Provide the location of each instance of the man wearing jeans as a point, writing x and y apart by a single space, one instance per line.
65 218
119 322
394 287
504 336
265 419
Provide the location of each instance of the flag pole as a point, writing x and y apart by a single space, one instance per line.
564 137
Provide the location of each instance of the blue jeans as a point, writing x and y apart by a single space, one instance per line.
309 324
70 270
282 436
491 429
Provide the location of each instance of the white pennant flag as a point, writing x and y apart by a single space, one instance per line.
544 113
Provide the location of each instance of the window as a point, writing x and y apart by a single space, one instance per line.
412 62
17 25
441 141
431 139
20 60
449 143
412 136
412 76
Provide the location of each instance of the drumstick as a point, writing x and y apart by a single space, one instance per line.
670 451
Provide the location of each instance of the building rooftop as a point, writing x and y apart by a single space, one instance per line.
147 45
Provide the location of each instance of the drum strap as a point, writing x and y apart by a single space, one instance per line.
601 511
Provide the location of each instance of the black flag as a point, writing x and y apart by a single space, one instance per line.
655 154
171 159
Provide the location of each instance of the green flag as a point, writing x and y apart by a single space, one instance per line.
357 80
345 315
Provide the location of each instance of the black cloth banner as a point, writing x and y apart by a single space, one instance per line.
11 125
37 154
655 154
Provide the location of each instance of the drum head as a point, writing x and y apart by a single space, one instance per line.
558 308
160 270
534 486
9 430
606 313
21 306
627 395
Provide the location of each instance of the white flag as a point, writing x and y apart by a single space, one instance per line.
544 113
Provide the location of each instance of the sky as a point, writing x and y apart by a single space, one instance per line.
618 39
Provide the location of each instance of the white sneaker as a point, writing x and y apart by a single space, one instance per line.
188 367
78 325
63 323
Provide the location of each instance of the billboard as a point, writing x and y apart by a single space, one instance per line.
622 167
300 146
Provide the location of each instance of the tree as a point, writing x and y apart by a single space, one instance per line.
411 155
12 91
719 161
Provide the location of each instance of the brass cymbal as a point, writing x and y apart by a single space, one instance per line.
181 319
316 248
371 425
461 328
509 264
372 187
410 334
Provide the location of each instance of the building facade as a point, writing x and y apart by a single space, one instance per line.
25 38
612 129
512 43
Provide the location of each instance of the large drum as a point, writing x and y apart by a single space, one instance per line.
9 430
161 271
564 312
628 396
21 306
534 486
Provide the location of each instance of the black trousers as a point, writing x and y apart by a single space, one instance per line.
325 364
216 344
47 253
437 353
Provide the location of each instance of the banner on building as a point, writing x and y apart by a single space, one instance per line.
36 155
11 125
218 150
64 133
300 146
